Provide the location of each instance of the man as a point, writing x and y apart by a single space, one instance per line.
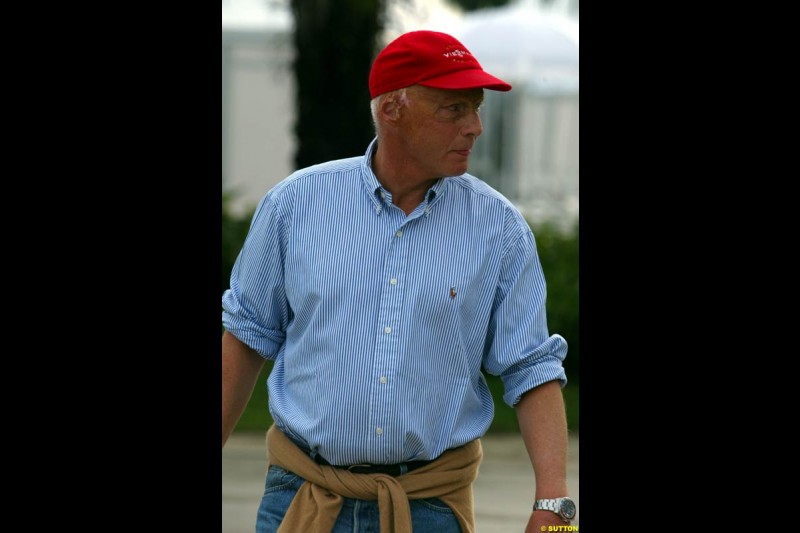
380 286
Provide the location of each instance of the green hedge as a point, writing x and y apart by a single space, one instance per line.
558 252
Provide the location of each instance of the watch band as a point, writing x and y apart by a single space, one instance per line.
563 507
547 505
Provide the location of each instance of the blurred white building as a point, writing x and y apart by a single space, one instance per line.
257 98
529 149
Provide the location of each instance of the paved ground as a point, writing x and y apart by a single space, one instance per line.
503 491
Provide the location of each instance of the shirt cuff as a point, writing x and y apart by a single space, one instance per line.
266 342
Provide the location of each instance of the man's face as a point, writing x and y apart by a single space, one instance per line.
439 128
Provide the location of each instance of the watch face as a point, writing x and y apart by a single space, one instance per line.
568 509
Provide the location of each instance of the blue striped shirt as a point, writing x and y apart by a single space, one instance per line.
379 322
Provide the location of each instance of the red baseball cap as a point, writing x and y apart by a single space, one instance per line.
432 59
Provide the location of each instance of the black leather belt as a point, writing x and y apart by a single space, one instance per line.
392 470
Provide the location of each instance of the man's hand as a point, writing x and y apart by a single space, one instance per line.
541 519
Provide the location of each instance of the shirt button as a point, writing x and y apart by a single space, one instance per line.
379 431
393 281
383 379
399 233
387 329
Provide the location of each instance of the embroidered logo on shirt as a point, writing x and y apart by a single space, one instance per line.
452 292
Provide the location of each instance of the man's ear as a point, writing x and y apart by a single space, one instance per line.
389 109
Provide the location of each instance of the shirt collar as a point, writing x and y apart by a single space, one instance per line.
373 186
437 190
368 177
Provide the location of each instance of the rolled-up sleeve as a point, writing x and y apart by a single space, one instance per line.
519 347
255 309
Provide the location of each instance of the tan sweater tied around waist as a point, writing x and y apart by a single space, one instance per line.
316 505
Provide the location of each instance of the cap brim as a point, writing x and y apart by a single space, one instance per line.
467 79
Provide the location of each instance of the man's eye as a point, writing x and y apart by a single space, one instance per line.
456 108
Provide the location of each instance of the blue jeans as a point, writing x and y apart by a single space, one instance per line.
357 516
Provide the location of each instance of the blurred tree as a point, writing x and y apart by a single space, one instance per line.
472 5
335 43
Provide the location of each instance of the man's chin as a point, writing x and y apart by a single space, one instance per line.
458 170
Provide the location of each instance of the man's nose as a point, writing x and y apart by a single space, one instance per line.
472 125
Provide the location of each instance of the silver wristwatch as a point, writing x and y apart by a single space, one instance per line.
563 507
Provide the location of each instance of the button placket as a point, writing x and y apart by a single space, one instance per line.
385 358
